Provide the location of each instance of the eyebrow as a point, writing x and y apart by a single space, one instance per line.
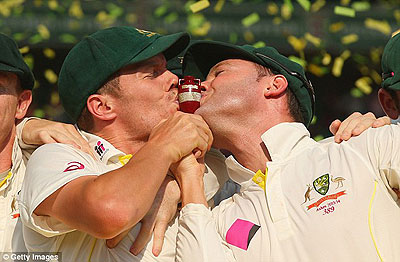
222 63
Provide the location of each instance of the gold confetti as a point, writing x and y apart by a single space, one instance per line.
203 30
39 113
233 37
364 84
49 53
218 7
259 44
336 27
272 9
277 20
200 5
38 3
317 5
298 44
286 11
364 70
50 76
361 6
248 36
344 11
345 2
317 70
314 120
305 4
75 10
349 39
318 137
251 19
381 26
43 31
326 59
313 39
54 99
24 49
376 54
376 77
337 66
53 4
346 54
396 14
131 18
298 60
355 92
29 61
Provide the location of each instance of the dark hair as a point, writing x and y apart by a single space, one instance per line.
293 103
111 87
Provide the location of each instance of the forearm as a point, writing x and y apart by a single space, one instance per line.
198 239
106 205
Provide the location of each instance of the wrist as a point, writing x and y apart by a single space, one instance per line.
192 191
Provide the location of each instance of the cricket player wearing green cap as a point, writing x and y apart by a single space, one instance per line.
389 94
16 133
299 200
115 84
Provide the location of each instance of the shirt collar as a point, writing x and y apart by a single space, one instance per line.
281 141
285 139
237 172
103 150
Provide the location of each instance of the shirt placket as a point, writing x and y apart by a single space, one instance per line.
276 203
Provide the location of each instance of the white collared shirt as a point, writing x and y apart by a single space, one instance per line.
54 165
10 238
322 202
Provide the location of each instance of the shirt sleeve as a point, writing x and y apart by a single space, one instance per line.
381 146
198 239
51 167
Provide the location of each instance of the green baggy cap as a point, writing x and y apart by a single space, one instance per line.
391 64
94 59
11 61
203 55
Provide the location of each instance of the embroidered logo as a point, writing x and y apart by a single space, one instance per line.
146 33
100 149
326 204
241 233
74 166
321 184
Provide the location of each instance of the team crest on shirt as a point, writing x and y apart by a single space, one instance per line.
328 192
100 149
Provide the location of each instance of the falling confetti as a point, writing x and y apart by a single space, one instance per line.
345 11
200 5
381 26
305 4
251 19
218 7
349 39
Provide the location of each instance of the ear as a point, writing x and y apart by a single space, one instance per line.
275 86
101 107
387 103
24 100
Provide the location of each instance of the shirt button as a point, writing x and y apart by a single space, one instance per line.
259 179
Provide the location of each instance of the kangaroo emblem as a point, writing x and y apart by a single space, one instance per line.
307 196
339 180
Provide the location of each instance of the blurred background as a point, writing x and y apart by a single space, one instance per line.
339 42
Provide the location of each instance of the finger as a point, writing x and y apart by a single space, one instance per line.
142 239
340 135
158 239
384 120
113 242
358 125
334 127
46 138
